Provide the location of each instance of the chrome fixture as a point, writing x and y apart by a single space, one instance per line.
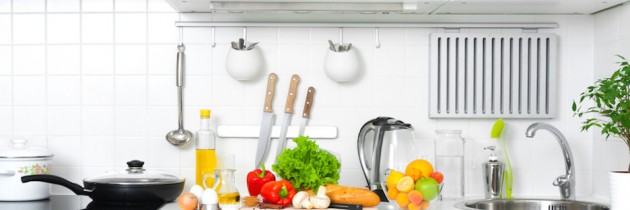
566 182
498 204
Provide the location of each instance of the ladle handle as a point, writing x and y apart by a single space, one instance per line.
180 84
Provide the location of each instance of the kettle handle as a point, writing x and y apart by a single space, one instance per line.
360 147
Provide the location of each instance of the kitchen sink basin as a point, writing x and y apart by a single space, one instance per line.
529 204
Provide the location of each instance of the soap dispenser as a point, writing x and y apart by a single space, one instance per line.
493 175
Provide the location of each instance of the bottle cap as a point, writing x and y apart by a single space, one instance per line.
493 157
205 113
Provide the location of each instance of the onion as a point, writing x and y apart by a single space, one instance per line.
187 201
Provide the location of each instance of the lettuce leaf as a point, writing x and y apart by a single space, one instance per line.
306 166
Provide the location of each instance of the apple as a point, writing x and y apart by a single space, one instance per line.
428 187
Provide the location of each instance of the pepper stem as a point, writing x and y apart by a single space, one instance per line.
284 192
262 175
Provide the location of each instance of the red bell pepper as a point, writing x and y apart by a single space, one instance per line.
257 178
278 192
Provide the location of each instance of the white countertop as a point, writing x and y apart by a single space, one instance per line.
442 205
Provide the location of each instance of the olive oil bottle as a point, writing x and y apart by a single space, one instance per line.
205 144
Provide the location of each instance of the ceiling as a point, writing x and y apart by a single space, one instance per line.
400 6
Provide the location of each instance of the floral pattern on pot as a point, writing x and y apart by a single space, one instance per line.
34 169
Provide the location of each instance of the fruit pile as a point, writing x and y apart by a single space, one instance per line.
415 188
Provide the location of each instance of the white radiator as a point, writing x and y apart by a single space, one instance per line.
493 75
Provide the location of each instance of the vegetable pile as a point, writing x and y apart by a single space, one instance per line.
306 166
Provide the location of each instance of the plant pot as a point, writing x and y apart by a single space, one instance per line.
619 190
18 161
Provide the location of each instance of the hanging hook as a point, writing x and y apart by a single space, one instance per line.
340 36
245 34
377 40
181 35
214 42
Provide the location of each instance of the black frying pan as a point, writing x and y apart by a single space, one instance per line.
143 189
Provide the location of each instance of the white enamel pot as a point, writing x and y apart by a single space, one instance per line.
19 160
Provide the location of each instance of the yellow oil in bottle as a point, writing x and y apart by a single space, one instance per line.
229 198
206 163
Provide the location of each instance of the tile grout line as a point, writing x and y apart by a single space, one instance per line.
81 82
47 115
12 133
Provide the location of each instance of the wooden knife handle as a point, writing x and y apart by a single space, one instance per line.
271 90
295 80
308 103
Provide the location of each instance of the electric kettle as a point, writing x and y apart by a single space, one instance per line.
384 143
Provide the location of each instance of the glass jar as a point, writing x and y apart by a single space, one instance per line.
449 159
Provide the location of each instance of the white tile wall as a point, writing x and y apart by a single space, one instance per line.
611 39
97 76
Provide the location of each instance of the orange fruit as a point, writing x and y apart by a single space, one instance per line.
392 192
405 184
393 177
402 200
424 205
418 169
413 206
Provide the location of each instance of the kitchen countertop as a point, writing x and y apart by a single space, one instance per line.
73 202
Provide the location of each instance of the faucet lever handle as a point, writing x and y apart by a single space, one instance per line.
561 180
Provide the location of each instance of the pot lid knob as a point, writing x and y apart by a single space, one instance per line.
135 166
19 143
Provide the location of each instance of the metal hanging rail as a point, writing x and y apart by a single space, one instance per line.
363 25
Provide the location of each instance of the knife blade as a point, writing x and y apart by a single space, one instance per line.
267 120
306 114
288 113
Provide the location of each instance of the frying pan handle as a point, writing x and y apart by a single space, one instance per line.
77 189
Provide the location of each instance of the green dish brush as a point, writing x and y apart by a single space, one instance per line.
498 132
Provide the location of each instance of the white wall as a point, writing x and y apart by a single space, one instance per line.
612 37
94 82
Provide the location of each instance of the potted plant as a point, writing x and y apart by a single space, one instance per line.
611 109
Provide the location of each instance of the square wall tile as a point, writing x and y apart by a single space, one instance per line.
73 174
131 28
162 154
97 5
63 59
130 121
30 90
97 151
162 59
131 90
97 59
392 96
29 60
27 121
126 149
64 90
63 120
65 149
161 28
5 28
63 5
97 121
5 5
201 89
131 59
6 56
161 90
296 61
6 121
358 94
29 28
29 6
389 62
6 90
97 90
161 120
220 97
97 28
198 59
63 28
131 5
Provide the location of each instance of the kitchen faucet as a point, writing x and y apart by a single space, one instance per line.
566 183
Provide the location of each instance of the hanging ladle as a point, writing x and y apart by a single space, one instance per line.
180 137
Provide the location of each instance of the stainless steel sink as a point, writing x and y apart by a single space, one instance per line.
529 204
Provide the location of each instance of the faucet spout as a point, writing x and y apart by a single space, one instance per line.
566 182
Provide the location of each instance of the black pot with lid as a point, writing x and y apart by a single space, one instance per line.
133 185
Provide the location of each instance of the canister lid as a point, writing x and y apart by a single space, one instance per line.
20 150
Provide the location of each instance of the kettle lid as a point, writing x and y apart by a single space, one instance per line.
389 121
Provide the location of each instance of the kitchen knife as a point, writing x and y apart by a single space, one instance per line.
306 114
288 113
267 120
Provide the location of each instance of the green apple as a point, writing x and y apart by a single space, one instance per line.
428 187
